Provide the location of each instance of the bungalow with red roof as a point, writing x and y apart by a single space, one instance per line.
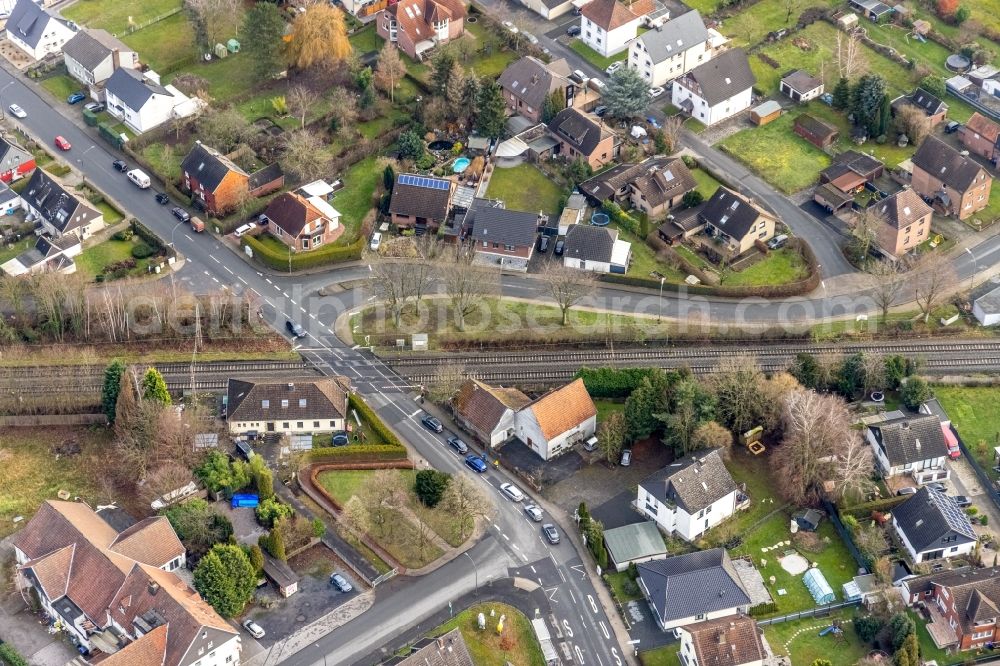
417 26
302 222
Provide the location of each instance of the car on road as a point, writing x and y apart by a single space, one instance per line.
962 501
543 244
94 107
431 423
626 457
17 111
457 444
908 490
120 165
63 144
613 67
253 628
655 91
340 439
295 329
162 198
180 213
551 533
476 463
560 248
75 98
937 486
511 28
512 492
533 512
341 583
573 31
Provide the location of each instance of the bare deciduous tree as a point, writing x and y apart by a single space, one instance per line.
672 131
390 70
467 285
217 17
935 276
611 436
914 123
872 371
711 435
165 479
304 156
887 283
448 378
465 499
864 235
853 470
850 57
773 391
567 286
300 99
383 494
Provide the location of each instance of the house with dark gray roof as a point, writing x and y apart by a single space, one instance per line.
690 496
670 50
654 186
969 600
933 108
138 100
528 82
15 161
293 406
931 526
37 32
59 212
717 89
216 183
736 221
583 136
913 446
502 237
420 201
694 587
955 183
801 86
597 249
92 56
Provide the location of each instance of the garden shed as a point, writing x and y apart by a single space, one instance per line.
820 590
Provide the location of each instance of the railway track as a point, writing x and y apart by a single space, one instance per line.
174 369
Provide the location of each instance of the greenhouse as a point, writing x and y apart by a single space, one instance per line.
820 590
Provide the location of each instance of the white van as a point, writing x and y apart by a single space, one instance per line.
376 241
139 178
245 228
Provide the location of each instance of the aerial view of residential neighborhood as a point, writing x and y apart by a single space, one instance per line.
499 332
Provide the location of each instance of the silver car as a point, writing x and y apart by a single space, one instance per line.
253 628
533 512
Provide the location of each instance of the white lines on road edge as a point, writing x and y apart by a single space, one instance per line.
506 537
604 630
592 604
242 280
268 280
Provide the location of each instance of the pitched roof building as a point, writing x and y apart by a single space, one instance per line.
906 223
290 406
717 89
503 237
92 56
981 135
671 50
969 599
527 83
814 130
303 222
417 26
736 221
653 186
581 136
217 183
801 86
448 649
954 181
910 445
724 641
596 249
420 200
141 102
933 108
59 211
606 26
931 526
36 31
15 161
488 411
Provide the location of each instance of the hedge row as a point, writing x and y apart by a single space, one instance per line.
357 453
9 657
863 511
329 254
612 382
151 239
377 424
765 608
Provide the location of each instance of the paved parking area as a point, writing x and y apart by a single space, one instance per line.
244 520
517 456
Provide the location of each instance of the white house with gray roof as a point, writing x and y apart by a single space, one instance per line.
92 56
689 496
913 446
671 50
596 249
698 586
931 526
716 90
138 100
35 31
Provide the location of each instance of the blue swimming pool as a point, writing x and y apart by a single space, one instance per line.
460 165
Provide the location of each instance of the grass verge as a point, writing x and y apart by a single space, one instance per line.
516 645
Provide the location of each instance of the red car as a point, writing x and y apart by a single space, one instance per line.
62 144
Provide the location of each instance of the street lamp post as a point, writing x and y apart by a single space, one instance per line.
972 284
659 314
475 569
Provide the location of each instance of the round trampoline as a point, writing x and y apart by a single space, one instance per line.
957 62
600 219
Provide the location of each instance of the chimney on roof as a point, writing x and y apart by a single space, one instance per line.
291 386
154 587
722 637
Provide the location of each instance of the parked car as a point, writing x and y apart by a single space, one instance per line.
573 31
778 241
551 533
120 165
162 198
340 439
139 178
94 107
600 110
560 248
543 244
579 76
512 492
655 91
431 423
17 111
62 144
533 512
180 213
962 501
530 37
341 583
296 330
253 628
952 126
590 444
909 490
76 98
476 463
626 457
375 242
613 67
244 229
511 28
938 486
457 444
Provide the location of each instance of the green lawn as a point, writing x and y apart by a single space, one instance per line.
525 188
973 412
694 258
366 40
705 7
778 155
92 261
61 86
355 200
166 161
166 43
23 245
622 586
517 645
111 214
753 24
992 210
707 184
344 484
667 655
780 267
595 58
606 407
114 15
801 641
645 263
755 472
227 77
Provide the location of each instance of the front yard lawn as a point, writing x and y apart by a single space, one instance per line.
165 160
114 15
61 86
525 188
707 184
778 155
595 58
780 267
111 214
623 587
973 412
645 263
165 43
668 655
93 260
517 645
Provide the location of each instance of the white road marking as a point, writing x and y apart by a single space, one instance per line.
579 654
505 536
533 569
614 653
244 282
304 311
592 603
310 314
572 596
604 630
229 270
215 259
268 280
567 629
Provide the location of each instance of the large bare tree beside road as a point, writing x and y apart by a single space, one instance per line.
887 283
935 276
465 500
467 285
567 286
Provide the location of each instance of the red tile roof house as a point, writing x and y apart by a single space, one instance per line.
980 135
416 26
963 603
301 222
115 593
955 182
216 183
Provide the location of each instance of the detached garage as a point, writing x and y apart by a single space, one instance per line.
986 308
597 249
639 542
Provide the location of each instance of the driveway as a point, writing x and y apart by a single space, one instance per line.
965 482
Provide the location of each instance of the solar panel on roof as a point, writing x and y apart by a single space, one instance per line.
421 181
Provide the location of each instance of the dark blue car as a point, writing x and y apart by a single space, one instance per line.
476 463
76 98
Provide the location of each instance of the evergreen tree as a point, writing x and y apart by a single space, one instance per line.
263 29
226 579
455 90
806 369
842 95
642 406
470 98
626 94
430 485
112 385
389 178
256 556
915 391
154 387
884 117
492 111
441 66
866 102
